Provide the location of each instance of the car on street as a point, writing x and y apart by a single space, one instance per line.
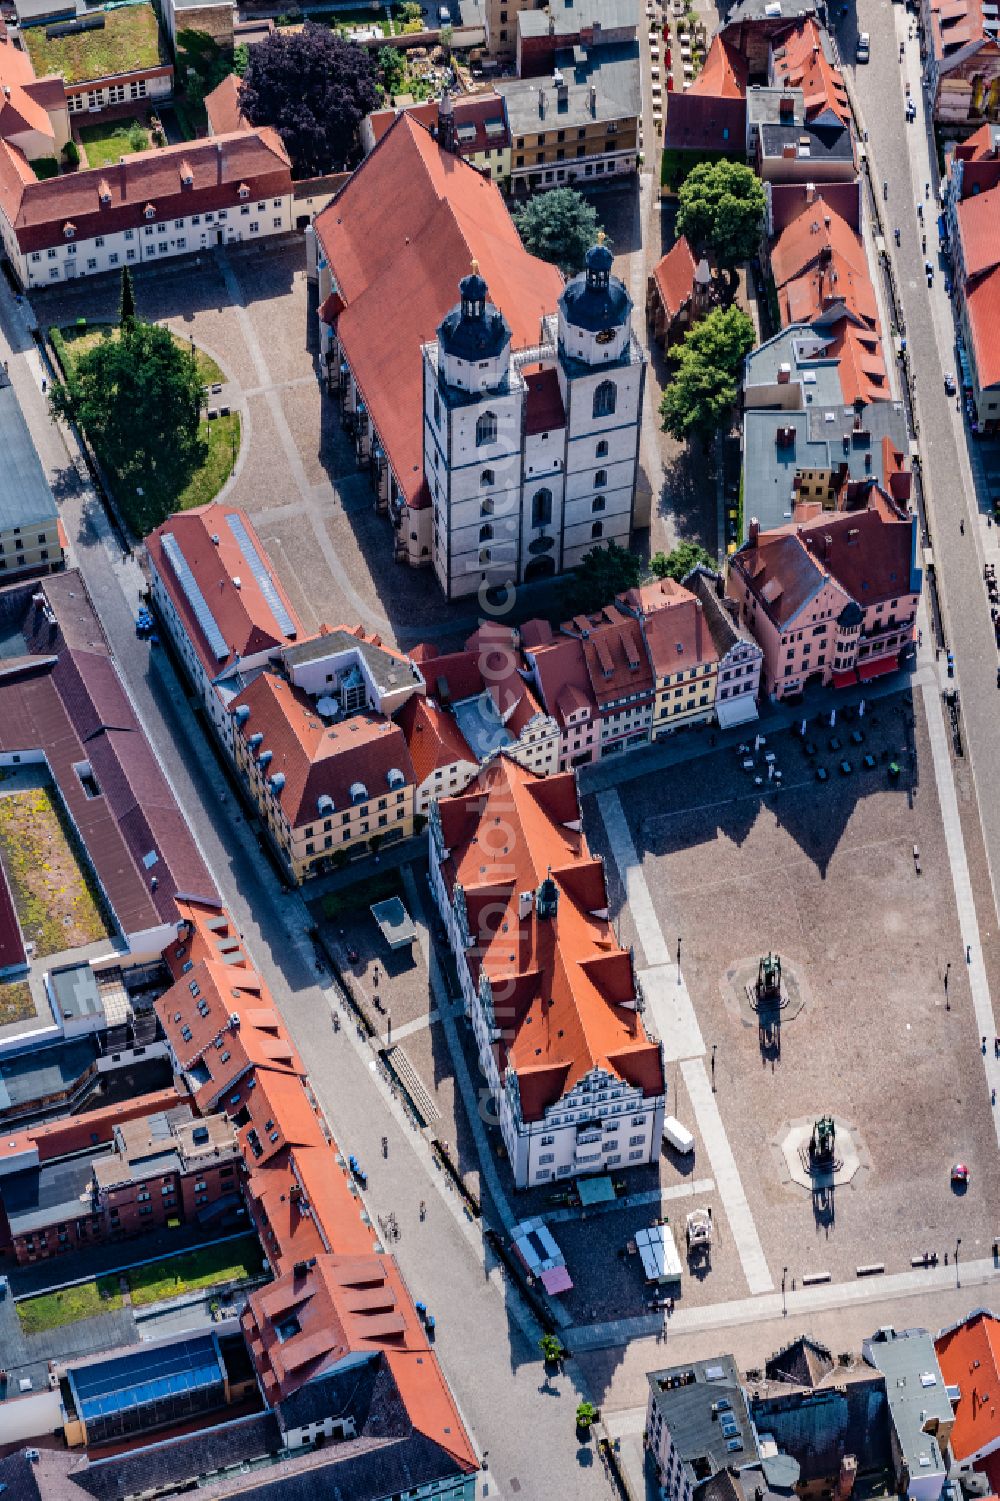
864 47
959 1173
949 384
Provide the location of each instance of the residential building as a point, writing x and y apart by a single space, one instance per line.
697 1424
810 153
543 32
31 534
220 602
34 115
621 676
473 126
920 1412
335 1333
801 59
478 704
162 1170
710 115
740 658
109 59
580 123
551 994
559 671
833 598
963 61
147 207
969 1356
679 291
532 456
323 790
754 27
222 108
807 436
391 250
63 709
976 256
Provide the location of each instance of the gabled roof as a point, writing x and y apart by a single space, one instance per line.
317 759
433 737
563 677
222 106
614 652
781 572
674 276
23 97
799 60
398 237
472 114
982 307
969 1357
567 984
817 232
979 231
724 72
674 625
702 122
38 211
219 545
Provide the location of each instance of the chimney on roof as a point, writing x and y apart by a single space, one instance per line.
784 373
788 151
446 122
810 192
754 532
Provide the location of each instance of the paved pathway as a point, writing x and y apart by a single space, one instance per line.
677 1025
632 1201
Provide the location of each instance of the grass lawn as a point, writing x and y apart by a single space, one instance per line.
55 902
78 340
69 1305
104 144
128 40
223 439
16 1004
228 1262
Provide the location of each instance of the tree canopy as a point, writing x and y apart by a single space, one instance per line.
722 211
315 88
559 227
137 396
601 574
705 384
678 564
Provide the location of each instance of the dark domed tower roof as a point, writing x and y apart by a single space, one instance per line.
475 329
850 615
595 299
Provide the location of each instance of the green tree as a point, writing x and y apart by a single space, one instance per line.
126 306
241 56
705 384
71 154
722 211
137 396
391 69
586 1412
202 63
552 1348
601 574
559 226
678 564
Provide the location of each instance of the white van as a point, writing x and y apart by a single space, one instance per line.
677 1136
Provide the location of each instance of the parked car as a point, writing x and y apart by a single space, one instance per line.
863 52
949 384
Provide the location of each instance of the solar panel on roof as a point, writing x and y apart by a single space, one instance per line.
714 1372
261 573
194 596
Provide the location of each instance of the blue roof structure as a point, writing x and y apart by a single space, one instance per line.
149 1388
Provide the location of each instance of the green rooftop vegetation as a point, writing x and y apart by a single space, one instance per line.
69 1305
128 41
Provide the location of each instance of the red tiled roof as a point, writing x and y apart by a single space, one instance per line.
433 737
979 231
788 199
38 211
398 238
780 572
724 72
982 306
674 276
969 1357
614 652
676 631
222 106
568 986
800 63
862 362
24 98
563 677
816 232
700 122
544 411
243 615
315 758
867 552
470 113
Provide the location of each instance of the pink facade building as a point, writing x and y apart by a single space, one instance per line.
832 599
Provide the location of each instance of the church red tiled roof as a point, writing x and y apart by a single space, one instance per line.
398 237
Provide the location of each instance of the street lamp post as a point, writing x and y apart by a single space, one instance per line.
947 972
678 961
388 1029
958 1279
784 1301
714 1046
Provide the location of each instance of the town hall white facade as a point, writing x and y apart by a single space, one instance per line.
531 456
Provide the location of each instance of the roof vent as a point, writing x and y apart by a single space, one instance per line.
215 539
234 1021
237 581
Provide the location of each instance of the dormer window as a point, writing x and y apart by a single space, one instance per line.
187 176
149 212
243 190
69 230
104 191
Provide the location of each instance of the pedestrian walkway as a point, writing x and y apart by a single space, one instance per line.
673 1015
632 1201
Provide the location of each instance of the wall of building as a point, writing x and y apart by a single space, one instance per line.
153 87
36 547
35 1415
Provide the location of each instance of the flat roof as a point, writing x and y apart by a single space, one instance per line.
25 496
482 728
916 1392
395 923
614 71
42 1196
74 991
44 1072
145 1377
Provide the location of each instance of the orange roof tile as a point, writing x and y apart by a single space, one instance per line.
676 631
568 987
801 63
398 238
979 231
969 1357
614 652
433 737
724 72
816 232
982 305
222 106
317 759
674 276
564 679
